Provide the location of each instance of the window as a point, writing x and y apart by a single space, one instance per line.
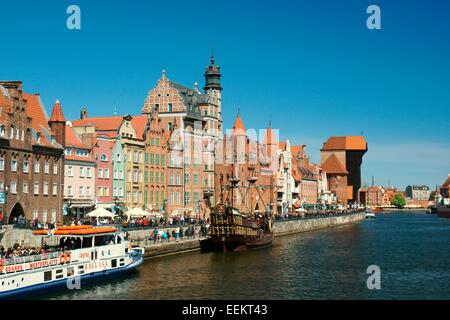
177 198
163 160
13 165
69 191
120 191
88 191
35 214
152 158
169 107
171 178
195 179
36 188
11 133
70 171
81 191
81 172
135 157
140 157
106 192
68 152
55 189
186 178
162 177
106 175
157 177
115 194
178 179
55 168
115 175
118 158
157 158
45 188
196 200
135 176
135 196
100 191
186 198
88 172
17 134
46 167
13 187
120 174
25 166
36 166
25 187
2 164
44 216
47 276
53 215
103 157
171 198
100 173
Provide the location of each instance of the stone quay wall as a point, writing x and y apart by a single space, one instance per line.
282 228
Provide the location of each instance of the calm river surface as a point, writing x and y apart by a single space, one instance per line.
412 250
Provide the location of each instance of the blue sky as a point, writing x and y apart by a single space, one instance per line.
311 67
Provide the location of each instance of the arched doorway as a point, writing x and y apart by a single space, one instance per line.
15 213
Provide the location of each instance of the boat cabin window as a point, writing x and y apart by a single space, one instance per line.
87 242
103 240
47 276
70 271
114 263
70 243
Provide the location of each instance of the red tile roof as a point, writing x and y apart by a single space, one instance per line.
332 165
295 172
296 150
345 143
57 113
100 123
139 123
447 182
238 127
36 111
73 140
282 145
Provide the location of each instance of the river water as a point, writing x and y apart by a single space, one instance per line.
411 249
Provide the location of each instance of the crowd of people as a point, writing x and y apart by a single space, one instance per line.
20 250
177 233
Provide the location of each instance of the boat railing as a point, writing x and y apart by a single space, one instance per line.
30 258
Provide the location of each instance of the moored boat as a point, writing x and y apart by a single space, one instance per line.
84 254
233 231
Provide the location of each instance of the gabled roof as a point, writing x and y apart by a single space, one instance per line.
5 102
139 123
332 165
73 140
238 127
345 143
447 182
100 123
57 113
296 150
36 111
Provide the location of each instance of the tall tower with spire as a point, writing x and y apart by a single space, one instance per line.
213 89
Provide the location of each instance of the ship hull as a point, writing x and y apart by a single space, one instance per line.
59 285
236 243
443 212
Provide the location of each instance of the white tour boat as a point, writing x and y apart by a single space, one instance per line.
90 254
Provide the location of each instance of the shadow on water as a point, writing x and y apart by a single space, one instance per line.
412 251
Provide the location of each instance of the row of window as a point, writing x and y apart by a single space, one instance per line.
13 188
175 198
155 158
83 191
26 166
44 216
84 172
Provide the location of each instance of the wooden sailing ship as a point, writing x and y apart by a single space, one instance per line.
232 230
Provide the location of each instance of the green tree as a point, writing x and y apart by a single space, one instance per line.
398 200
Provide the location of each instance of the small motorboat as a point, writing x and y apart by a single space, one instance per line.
370 214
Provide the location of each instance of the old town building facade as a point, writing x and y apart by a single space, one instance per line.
31 157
